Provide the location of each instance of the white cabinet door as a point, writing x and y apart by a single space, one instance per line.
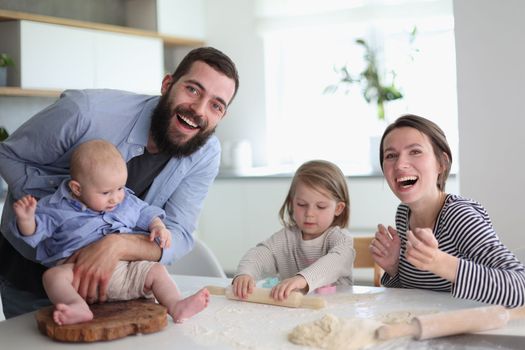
50 56
55 57
128 62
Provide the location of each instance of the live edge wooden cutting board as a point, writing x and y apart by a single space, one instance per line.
112 321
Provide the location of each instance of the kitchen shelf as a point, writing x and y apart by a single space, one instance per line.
16 91
154 44
171 41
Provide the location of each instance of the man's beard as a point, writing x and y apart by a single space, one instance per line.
160 131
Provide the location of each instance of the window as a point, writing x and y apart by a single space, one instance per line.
305 123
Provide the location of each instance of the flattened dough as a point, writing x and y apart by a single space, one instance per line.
331 332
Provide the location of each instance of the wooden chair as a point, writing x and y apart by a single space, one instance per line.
363 257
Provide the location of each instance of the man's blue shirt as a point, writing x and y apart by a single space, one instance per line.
35 158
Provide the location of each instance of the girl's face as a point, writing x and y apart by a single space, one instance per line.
314 210
410 165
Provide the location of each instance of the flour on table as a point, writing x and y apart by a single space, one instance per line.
397 317
352 298
403 316
331 332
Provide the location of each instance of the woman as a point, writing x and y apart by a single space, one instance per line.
442 242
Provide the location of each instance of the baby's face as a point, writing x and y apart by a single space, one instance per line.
104 191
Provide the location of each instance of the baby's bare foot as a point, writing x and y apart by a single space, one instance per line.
71 314
190 306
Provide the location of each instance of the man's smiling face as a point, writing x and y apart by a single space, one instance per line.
190 109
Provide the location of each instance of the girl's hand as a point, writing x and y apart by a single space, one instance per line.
385 249
282 290
243 286
25 208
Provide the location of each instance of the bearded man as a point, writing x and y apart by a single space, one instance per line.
171 154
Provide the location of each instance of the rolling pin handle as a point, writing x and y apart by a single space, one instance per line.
215 290
312 302
387 332
516 313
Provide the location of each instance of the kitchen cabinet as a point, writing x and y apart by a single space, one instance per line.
128 63
48 56
53 54
170 17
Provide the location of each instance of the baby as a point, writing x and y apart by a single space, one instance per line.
85 208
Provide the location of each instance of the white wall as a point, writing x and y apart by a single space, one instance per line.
231 27
490 52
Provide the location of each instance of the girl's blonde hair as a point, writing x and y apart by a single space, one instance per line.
322 176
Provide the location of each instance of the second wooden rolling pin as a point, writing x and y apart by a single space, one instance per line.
452 322
262 296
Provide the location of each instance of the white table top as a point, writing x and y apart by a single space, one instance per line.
228 324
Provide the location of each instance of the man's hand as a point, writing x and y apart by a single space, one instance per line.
94 266
95 263
282 290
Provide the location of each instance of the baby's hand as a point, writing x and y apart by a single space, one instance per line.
243 286
282 290
25 207
162 233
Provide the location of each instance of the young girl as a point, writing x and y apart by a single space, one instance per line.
443 242
314 248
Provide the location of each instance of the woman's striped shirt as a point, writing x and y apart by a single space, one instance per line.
488 272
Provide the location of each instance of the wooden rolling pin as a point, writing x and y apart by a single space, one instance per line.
262 296
452 322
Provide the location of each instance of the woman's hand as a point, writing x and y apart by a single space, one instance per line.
423 252
243 286
385 249
422 248
282 290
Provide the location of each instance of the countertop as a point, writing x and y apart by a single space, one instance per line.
228 324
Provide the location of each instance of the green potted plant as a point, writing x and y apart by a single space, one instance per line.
5 61
375 89
374 83
4 134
